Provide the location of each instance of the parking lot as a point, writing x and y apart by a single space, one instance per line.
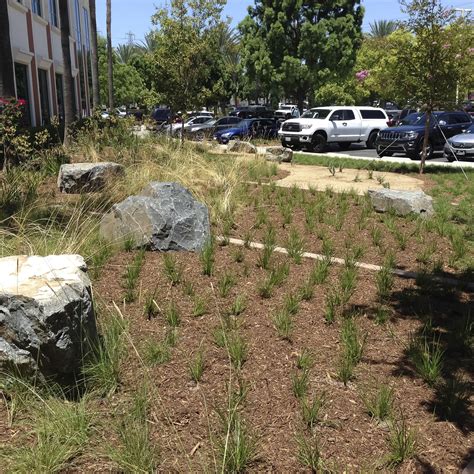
359 151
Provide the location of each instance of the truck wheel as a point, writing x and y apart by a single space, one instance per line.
370 143
419 152
344 145
319 142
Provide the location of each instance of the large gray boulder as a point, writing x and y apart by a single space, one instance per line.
279 154
164 217
401 202
241 147
47 319
87 177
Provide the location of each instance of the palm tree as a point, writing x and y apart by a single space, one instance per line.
68 83
228 43
149 43
110 64
382 28
7 82
95 57
125 52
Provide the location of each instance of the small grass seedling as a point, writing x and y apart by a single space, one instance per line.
311 410
132 273
402 442
199 307
300 384
279 274
188 288
384 281
150 308
309 454
173 270
306 292
238 350
295 246
225 284
304 360
332 170
207 258
172 315
379 405
283 324
352 341
376 235
197 366
292 303
238 255
333 302
238 306
320 271
268 249
156 352
171 337
427 358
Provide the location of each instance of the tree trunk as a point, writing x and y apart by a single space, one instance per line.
95 57
110 64
68 83
7 81
425 139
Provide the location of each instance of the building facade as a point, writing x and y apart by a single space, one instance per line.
35 38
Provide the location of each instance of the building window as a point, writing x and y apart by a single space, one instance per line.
78 25
60 95
36 7
23 89
53 12
44 96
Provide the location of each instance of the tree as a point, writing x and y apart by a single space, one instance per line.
295 46
7 85
129 86
68 83
125 53
382 28
185 38
110 63
95 57
430 68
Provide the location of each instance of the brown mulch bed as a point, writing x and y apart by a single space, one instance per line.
186 416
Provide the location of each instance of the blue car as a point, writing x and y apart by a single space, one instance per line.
248 128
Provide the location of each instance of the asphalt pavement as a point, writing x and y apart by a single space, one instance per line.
358 151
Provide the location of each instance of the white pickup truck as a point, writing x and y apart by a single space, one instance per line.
342 125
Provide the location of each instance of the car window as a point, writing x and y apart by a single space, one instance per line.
316 113
463 118
233 120
374 114
223 121
337 115
349 115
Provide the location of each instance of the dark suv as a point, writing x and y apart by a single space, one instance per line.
252 111
408 136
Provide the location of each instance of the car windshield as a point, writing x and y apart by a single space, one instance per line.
286 107
316 113
244 123
417 119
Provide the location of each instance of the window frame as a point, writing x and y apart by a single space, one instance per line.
37 7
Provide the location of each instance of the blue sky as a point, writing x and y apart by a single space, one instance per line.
134 16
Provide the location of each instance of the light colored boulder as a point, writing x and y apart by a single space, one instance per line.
87 177
164 217
279 154
241 147
47 318
401 202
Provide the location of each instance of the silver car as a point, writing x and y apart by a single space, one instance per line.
460 147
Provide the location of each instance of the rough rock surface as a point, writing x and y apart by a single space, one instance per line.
401 202
87 177
241 147
164 217
279 154
46 313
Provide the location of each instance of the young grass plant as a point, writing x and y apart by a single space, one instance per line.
207 258
156 352
384 281
402 442
300 384
309 454
427 358
135 452
238 306
283 323
197 366
295 246
379 405
172 315
268 249
225 284
199 307
320 271
311 410
304 360
132 273
237 349
173 270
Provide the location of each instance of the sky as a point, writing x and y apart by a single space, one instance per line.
133 17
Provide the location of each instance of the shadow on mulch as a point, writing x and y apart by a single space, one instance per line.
447 317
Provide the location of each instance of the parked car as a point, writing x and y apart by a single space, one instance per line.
342 125
408 137
176 128
460 147
252 111
200 113
161 115
287 111
248 128
208 129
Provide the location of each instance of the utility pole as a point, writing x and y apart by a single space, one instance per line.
464 11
